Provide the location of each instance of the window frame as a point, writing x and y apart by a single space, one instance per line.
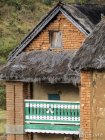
50 39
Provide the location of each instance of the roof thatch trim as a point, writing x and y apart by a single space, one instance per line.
92 11
92 54
41 66
84 17
80 18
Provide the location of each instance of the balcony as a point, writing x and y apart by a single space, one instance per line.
52 117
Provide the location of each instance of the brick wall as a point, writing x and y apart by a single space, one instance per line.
86 108
16 92
72 38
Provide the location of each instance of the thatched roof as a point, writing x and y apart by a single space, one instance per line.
41 66
92 12
92 54
84 17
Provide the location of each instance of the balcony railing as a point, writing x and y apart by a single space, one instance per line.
53 112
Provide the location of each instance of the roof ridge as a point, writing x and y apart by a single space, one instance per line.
87 4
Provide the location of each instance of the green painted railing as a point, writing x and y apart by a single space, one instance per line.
55 112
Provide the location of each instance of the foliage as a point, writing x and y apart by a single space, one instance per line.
2 98
48 2
2 124
15 3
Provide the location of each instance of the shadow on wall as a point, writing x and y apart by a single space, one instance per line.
3 137
73 137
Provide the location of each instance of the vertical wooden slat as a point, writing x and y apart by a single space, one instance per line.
31 110
55 111
45 111
59 112
27 110
41 110
65 110
72 112
38 110
34 109
69 111
76 112
62 111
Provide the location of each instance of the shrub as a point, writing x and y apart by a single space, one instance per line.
15 3
2 98
47 2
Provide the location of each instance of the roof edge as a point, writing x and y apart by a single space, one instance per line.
39 27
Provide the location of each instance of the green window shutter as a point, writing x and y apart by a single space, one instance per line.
53 97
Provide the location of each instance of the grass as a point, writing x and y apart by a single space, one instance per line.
16 23
2 121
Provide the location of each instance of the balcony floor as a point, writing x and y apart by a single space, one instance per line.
53 129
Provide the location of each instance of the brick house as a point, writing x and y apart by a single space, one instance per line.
92 66
42 90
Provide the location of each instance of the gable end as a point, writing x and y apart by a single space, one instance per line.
41 25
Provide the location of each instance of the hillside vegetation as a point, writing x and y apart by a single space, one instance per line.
2 122
18 17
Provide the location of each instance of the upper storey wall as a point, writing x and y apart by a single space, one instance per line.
71 37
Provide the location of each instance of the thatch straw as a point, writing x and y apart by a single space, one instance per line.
41 66
92 54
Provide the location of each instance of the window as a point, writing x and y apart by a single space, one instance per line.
55 39
53 96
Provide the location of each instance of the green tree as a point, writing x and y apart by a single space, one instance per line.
2 98
47 2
